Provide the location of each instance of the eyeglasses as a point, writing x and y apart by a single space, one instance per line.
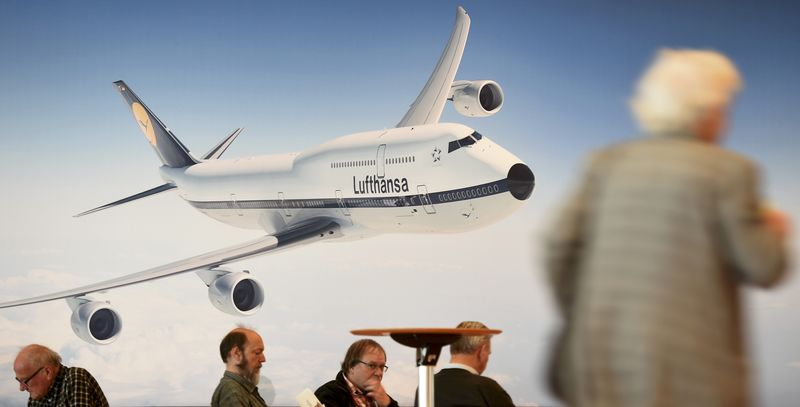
25 382
372 366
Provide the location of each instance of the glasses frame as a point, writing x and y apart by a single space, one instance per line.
26 381
373 366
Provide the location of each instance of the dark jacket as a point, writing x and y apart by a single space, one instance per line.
454 387
235 390
336 393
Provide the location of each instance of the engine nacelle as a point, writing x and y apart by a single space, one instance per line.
94 321
477 98
236 294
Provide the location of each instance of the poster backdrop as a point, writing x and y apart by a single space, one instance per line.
296 75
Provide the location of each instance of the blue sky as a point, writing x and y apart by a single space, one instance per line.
296 74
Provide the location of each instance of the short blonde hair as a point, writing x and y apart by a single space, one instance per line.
680 86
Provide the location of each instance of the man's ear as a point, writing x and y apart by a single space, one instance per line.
347 373
48 371
235 355
484 350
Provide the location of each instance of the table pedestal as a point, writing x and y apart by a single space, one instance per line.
429 343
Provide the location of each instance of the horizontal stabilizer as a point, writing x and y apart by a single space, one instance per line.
157 190
223 145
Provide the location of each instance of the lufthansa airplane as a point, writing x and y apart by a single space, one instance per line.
419 177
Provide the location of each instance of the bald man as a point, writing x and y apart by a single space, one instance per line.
39 371
242 350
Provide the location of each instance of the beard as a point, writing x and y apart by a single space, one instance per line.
251 374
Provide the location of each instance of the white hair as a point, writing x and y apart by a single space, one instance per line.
680 86
468 344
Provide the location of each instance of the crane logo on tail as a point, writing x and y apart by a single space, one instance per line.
143 119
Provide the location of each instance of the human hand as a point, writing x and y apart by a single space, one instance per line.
777 222
375 391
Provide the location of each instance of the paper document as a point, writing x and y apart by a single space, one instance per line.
306 398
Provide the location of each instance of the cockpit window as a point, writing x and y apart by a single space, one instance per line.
466 141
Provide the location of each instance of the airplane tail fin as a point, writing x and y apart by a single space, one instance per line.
212 154
169 149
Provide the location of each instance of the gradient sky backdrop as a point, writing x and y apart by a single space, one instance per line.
295 75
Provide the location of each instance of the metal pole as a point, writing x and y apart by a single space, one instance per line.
426 360
425 386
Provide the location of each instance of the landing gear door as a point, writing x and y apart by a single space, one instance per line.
425 199
340 201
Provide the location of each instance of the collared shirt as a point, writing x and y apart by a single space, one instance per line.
336 393
358 396
235 391
73 387
460 366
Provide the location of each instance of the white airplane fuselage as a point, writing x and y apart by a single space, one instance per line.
387 181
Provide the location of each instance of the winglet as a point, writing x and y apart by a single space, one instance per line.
169 149
428 106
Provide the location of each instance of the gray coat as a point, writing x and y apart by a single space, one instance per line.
645 262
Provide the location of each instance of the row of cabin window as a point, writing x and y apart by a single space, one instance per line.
362 163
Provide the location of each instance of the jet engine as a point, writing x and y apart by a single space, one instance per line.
477 98
94 321
234 293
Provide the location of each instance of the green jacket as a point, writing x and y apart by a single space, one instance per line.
236 391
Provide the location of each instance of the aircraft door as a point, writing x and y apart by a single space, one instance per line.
381 161
284 209
422 190
340 200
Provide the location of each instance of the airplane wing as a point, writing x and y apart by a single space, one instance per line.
428 107
308 232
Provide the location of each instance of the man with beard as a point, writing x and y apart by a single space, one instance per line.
242 350
358 384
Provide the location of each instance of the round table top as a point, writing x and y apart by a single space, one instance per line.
425 331
425 337
429 339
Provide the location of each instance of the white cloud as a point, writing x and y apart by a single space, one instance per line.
35 280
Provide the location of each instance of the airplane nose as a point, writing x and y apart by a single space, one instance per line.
520 181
